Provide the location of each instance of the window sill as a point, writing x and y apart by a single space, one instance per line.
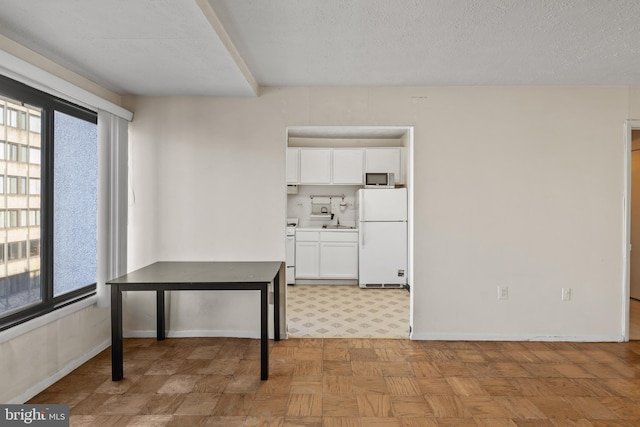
46 319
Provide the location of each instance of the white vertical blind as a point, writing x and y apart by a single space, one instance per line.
112 201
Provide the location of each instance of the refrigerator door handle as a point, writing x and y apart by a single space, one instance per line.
362 234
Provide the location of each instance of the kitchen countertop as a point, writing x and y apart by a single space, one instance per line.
329 228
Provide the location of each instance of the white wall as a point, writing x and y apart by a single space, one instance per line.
523 188
514 186
34 360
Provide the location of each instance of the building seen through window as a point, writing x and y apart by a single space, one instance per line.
20 139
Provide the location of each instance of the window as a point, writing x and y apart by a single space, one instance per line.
16 152
34 247
12 152
75 194
35 124
34 186
12 117
1 114
34 155
1 184
12 215
16 185
12 185
16 251
55 187
34 217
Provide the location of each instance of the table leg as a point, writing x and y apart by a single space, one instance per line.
117 363
276 307
264 332
160 332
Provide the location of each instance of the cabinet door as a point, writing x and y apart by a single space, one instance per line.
338 260
348 166
293 166
384 160
307 266
315 166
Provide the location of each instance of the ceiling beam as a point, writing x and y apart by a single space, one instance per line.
215 23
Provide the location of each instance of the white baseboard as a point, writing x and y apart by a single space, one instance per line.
67 369
508 337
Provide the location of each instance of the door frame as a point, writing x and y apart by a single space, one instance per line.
629 126
407 165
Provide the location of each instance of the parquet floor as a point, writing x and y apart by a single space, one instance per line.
357 382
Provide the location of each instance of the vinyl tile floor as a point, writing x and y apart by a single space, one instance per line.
343 311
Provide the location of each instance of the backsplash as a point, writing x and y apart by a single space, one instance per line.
299 205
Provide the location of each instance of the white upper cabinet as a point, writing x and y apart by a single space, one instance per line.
385 160
315 165
341 166
293 166
348 166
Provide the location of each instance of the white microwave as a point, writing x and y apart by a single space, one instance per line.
379 180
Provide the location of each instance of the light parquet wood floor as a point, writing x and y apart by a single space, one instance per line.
357 382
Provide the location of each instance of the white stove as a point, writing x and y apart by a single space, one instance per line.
290 259
292 223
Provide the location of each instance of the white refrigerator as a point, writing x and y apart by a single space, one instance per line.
382 226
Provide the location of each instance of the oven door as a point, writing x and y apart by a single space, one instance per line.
290 260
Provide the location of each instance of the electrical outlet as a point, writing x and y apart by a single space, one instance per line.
566 294
503 292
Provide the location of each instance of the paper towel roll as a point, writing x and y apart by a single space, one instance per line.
320 200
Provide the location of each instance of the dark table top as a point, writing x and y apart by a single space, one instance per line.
201 272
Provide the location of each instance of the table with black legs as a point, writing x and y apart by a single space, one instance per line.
198 276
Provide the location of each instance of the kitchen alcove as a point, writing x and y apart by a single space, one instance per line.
332 160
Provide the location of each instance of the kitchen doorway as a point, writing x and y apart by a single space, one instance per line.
321 307
634 255
631 288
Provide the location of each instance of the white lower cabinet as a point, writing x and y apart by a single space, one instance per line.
338 260
307 260
326 255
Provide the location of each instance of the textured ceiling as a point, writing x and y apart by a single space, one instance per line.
159 47
173 47
436 42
